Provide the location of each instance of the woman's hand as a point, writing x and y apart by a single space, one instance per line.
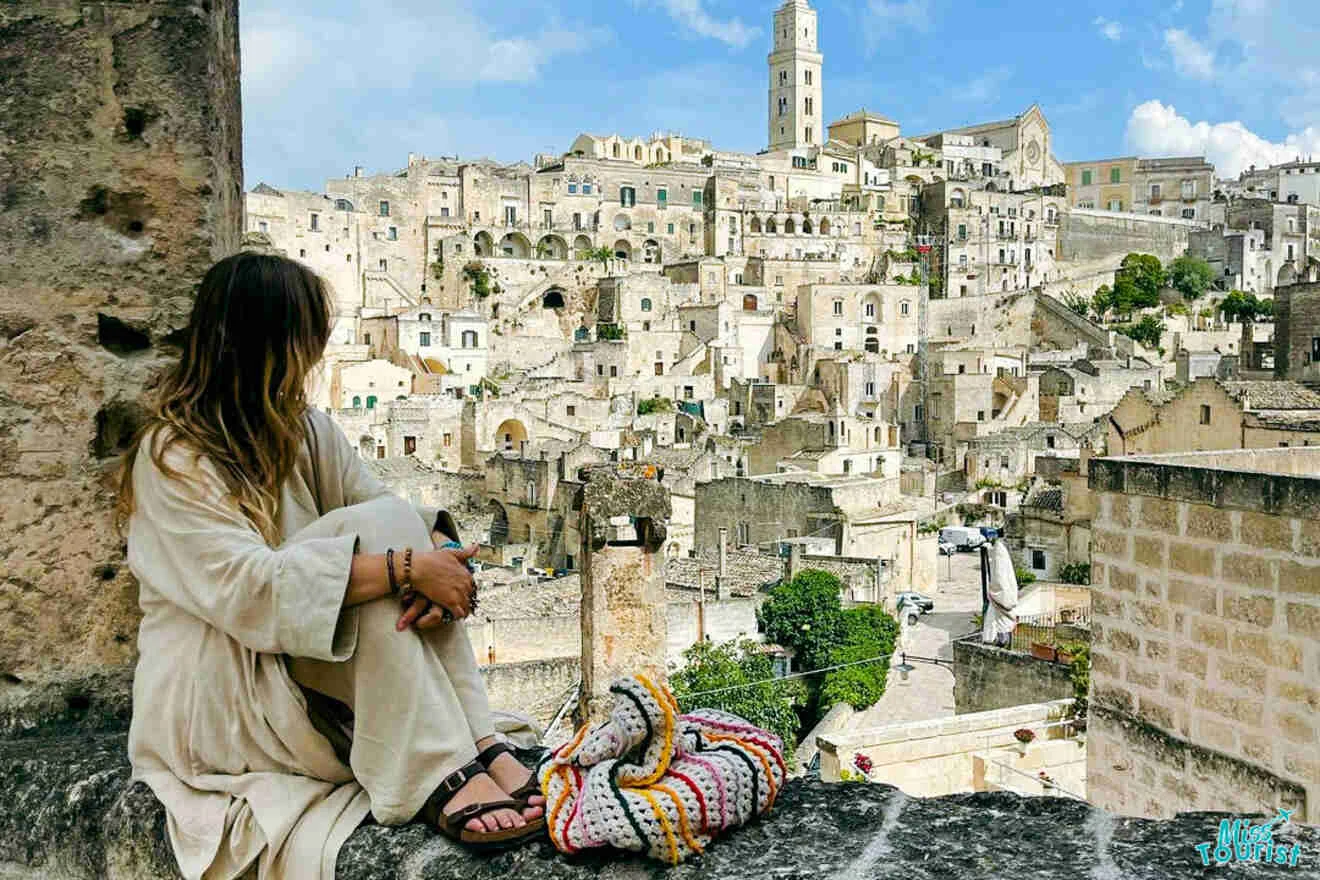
443 578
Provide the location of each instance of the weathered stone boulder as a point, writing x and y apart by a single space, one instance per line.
69 812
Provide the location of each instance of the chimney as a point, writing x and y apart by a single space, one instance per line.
724 562
357 170
625 522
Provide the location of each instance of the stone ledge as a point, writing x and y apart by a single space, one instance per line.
69 812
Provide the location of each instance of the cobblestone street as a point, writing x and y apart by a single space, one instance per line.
928 692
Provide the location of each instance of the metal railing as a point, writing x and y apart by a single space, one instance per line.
1042 631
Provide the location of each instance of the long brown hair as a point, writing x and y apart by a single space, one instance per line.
237 396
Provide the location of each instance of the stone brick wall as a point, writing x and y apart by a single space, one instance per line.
986 678
536 687
1206 621
120 184
1296 321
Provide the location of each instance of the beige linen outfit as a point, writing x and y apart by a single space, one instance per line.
221 731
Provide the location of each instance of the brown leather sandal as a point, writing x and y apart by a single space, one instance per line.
523 793
454 825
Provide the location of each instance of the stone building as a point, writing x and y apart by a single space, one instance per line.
1088 388
1297 332
1180 187
1206 633
1214 414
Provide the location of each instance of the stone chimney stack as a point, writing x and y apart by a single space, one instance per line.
625 518
723 571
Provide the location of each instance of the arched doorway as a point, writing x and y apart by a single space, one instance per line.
367 446
771 227
806 226
499 524
749 302
825 226
483 244
515 245
755 226
553 299
581 245
651 251
552 247
789 227
623 250
511 436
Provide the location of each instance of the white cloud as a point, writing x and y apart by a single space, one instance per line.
693 15
985 88
1190 58
1110 30
1157 129
881 17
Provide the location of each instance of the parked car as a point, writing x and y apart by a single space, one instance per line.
947 549
925 604
962 537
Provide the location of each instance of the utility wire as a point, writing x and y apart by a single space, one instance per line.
797 675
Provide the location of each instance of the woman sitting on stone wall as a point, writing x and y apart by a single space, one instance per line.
301 663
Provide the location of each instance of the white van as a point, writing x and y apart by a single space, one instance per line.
962 537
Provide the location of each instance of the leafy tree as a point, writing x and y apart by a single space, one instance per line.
868 632
1075 573
1077 303
1147 331
611 331
655 405
771 705
1246 308
1146 274
602 255
805 614
1191 276
1103 300
478 276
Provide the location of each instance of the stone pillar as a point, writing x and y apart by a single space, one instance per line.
723 572
625 518
120 184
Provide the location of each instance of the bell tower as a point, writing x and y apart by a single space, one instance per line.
796 118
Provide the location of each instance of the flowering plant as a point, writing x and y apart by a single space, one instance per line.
1024 735
863 763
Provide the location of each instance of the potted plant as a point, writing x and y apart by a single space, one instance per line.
1042 651
1024 736
1046 782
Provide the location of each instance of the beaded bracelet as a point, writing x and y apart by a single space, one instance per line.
407 568
389 571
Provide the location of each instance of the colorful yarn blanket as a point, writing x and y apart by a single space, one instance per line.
651 780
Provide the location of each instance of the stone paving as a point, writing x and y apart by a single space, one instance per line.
928 692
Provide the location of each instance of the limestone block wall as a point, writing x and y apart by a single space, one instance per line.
120 184
987 678
1206 622
1089 235
960 753
536 688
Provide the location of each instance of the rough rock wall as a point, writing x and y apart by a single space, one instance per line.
987 678
120 183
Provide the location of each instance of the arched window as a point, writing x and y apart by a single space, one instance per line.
627 196
771 227
343 205
424 316
646 304
616 150
806 226
371 401
637 153
903 308
755 226
357 402
469 338
789 227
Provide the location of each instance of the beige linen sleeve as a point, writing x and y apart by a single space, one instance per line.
359 483
205 556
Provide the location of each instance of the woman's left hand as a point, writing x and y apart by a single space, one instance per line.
420 612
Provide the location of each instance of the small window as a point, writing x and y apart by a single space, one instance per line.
1049 441
688 392
1115 175
448 439
571 410
384 265
384 209
586 189
1086 178
838 307
302 252
696 198
371 401
661 196
980 415
646 304
315 223
614 372
903 308
393 234
357 402
1038 560
1205 413
572 188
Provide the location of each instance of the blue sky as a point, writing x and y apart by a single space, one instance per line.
331 84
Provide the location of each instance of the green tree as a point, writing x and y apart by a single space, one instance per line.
1147 331
1077 303
655 405
868 633
602 255
805 614
478 276
1191 276
1103 300
1146 274
755 694
1246 308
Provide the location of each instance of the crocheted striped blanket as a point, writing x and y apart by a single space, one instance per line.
651 780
